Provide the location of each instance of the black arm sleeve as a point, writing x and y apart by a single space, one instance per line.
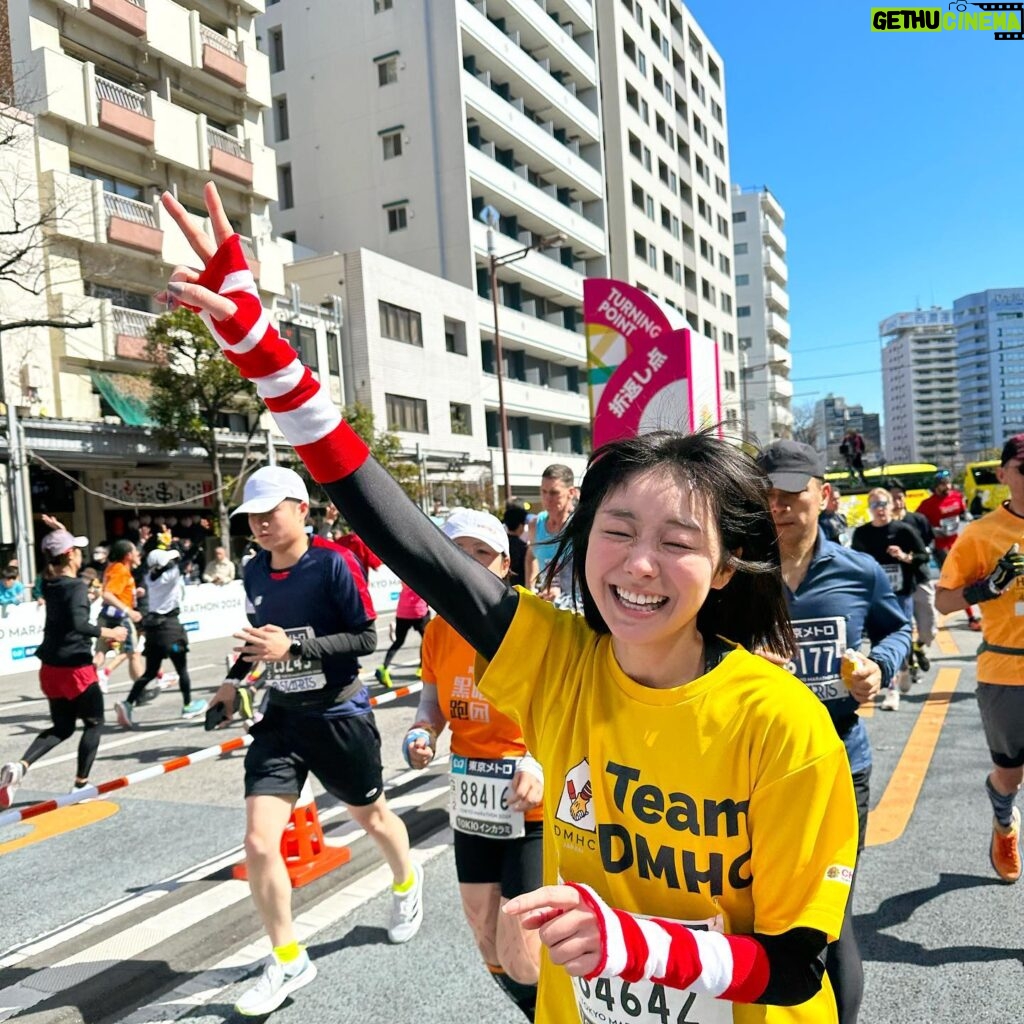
472 599
796 961
78 606
341 643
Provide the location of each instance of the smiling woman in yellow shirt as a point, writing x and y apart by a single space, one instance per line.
699 811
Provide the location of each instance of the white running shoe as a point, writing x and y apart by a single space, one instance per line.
11 775
277 982
891 700
407 910
103 676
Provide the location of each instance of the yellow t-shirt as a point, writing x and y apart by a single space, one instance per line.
729 795
973 556
478 728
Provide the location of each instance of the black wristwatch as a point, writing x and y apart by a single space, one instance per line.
295 649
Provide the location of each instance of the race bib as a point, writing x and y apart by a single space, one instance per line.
894 574
614 1001
948 526
819 653
296 675
479 794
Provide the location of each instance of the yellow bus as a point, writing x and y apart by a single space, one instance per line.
980 481
916 478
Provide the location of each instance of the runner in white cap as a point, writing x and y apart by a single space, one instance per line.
67 675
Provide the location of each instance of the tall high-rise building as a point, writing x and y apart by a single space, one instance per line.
921 402
666 162
833 417
989 367
441 112
762 311
128 99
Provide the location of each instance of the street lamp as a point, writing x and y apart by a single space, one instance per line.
490 216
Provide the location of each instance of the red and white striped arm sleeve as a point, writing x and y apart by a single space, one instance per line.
301 408
733 967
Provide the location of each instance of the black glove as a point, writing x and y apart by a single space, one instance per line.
1007 569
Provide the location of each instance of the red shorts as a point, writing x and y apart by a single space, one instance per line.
61 682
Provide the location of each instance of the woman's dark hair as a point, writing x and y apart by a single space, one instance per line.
56 564
751 608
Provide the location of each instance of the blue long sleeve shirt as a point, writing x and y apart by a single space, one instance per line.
845 597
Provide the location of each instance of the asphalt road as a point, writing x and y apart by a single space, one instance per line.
134 918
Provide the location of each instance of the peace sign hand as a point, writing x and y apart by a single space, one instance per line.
185 285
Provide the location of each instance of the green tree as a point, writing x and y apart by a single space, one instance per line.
193 385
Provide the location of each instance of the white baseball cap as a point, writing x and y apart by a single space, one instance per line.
482 526
268 487
160 557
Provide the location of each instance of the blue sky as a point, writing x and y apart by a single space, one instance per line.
898 158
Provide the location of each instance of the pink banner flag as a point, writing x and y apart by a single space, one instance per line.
645 368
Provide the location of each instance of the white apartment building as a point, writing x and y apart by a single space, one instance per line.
667 168
762 314
919 386
438 109
130 98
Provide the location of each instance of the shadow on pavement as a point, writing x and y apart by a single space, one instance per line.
897 910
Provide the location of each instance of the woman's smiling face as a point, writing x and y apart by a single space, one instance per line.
653 555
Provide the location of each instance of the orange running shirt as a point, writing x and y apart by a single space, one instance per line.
118 580
478 728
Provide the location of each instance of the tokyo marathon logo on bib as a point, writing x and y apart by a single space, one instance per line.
576 802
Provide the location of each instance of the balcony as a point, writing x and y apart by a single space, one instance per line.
540 271
124 111
778 326
775 265
541 33
132 224
127 15
771 206
776 296
229 157
130 340
221 57
773 234
538 337
512 193
536 400
506 126
777 353
495 52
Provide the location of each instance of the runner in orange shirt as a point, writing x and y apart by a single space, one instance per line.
119 610
497 786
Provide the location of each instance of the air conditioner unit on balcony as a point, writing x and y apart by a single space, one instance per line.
31 377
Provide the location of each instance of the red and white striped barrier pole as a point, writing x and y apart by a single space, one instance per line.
402 691
90 793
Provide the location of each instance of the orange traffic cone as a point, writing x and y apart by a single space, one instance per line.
305 851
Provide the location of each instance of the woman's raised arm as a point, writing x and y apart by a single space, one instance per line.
224 294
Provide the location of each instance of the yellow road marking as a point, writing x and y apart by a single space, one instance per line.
64 819
889 819
946 643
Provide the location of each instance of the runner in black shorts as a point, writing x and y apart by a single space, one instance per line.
311 619
497 787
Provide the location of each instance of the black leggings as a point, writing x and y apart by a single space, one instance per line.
64 713
155 655
402 627
842 958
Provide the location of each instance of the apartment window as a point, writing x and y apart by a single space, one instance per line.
742 311
398 216
391 142
724 263
387 68
740 249
707 289
729 380
281 118
707 251
333 364
285 191
720 188
739 217
639 245
406 414
633 98
455 337
303 339
638 196
715 74
726 302
710 330
118 186
649 207
652 256
723 226
275 49
460 418
728 341
718 149
382 5
742 279
400 324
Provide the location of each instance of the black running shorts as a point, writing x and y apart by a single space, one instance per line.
343 753
1002 716
514 863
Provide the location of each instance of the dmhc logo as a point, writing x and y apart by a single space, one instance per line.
1003 20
